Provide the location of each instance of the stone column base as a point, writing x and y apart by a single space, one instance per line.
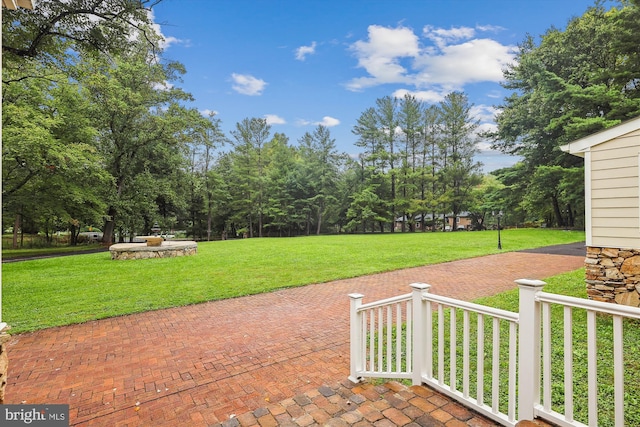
4 362
613 275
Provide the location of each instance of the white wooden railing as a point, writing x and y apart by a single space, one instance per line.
416 337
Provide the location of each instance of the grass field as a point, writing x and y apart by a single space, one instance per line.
72 289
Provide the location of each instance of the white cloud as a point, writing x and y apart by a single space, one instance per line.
303 51
329 122
326 121
206 112
484 113
273 119
490 28
484 146
247 84
381 55
442 61
428 96
443 37
170 40
472 61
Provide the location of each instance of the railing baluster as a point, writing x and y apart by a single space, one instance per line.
409 337
618 370
365 319
513 342
592 368
389 343
495 369
480 363
380 323
568 363
546 355
452 349
429 338
399 335
465 354
440 344
372 342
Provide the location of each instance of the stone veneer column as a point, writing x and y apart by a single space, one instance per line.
4 362
613 275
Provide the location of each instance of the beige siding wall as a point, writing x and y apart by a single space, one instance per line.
615 195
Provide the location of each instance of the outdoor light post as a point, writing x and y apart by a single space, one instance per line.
156 229
498 215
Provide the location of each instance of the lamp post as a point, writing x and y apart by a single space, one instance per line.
498 215
156 229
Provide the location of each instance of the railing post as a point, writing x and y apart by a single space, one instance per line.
528 348
355 322
421 345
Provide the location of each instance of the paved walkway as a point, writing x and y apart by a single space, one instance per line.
226 361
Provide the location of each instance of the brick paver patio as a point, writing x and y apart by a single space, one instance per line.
222 361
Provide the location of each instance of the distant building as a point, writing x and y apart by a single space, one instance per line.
461 222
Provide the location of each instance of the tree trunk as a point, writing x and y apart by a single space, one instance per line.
209 215
319 220
16 227
570 216
109 226
74 235
556 211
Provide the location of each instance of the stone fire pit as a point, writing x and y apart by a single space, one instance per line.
153 248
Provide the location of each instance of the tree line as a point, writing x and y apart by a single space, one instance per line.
97 132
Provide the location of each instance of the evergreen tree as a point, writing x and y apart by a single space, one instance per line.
573 83
249 163
460 172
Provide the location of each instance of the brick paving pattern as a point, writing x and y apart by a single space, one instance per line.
216 362
348 404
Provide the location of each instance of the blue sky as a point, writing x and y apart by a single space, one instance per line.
302 63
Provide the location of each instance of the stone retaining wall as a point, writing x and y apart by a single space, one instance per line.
613 275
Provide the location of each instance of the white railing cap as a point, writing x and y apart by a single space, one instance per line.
531 283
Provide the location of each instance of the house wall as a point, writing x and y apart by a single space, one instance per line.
463 221
614 170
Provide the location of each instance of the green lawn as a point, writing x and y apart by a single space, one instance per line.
59 291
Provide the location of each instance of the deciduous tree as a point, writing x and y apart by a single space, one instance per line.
142 131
